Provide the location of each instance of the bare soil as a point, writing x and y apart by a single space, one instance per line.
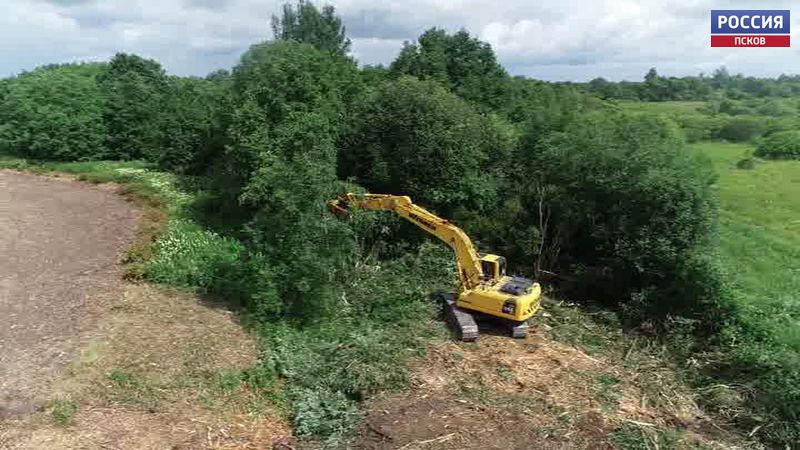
139 366
60 247
501 393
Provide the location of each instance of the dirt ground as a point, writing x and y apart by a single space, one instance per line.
88 361
501 393
60 246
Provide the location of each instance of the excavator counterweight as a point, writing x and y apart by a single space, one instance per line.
484 288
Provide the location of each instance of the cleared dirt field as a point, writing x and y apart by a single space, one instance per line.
60 246
89 361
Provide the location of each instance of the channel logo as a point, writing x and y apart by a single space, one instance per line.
750 28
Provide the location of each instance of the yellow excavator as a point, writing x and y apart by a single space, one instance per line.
484 287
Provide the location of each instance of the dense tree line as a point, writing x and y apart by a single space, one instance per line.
655 87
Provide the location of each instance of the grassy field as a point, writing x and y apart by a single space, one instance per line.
760 232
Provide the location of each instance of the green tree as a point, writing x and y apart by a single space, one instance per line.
289 103
461 63
303 22
413 137
192 123
620 210
135 90
54 112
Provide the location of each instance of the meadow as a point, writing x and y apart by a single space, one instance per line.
759 234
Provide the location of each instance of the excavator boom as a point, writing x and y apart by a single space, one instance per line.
484 287
470 271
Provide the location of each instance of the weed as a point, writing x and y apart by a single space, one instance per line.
631 437
607 392
62 411
505 373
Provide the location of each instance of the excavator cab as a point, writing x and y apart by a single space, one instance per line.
493 267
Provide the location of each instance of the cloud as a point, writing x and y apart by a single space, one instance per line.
567 39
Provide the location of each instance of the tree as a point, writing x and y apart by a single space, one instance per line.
463 64
192 122
627 208
135 89
413 137
289 103
305 23
54 112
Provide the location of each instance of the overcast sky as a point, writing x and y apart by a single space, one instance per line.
552 39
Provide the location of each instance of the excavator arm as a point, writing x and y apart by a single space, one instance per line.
484 288
469 264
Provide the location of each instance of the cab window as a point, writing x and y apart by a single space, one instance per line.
488 270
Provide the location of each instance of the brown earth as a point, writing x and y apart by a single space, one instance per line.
88 361
535 393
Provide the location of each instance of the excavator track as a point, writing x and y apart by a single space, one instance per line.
460 321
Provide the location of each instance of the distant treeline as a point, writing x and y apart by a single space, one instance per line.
657 88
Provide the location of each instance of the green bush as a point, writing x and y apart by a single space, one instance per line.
135 90
699 127
387 317
55 113
187 255
289 101
193 124
742 128
780 145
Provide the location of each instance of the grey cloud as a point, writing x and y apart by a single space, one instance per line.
564 39
378 24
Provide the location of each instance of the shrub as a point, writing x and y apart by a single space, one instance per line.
387 318
289 100
192 124
135 90
746 164
187 255
742 128
780 145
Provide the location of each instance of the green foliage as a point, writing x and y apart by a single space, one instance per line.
305 23
746 164
413 137
191 122
540 108
289 101
54 112
461 63
385 319
135 91
189 256
780 145
742 128
62 411
617 206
